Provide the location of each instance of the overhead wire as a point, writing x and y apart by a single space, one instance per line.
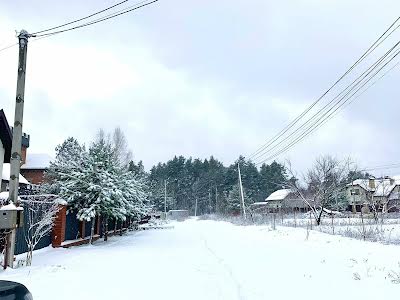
306 133
8 47
333 102
320 122
379 41
81 19
110 16
382 167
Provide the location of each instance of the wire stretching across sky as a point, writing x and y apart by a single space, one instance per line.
332 103
380 40
104 18
8 47
322 120
81 19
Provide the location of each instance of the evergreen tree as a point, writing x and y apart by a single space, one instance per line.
234 200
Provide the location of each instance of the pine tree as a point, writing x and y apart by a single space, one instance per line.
234 201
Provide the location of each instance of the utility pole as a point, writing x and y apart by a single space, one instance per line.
216 200
17 138
209 201
241 192
165 198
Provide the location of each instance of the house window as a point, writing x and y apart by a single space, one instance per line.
355 191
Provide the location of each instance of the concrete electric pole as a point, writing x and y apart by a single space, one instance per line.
165 198
17 138
241 192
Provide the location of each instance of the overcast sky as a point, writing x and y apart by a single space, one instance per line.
202 78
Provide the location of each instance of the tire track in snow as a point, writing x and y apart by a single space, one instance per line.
224 266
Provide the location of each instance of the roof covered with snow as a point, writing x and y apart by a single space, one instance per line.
380 187
38 161
6 175
279 195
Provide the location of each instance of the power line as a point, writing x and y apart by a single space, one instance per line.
81 19
308 131
334 102
295 121
8 47
367 88
319 123
98 20
382 167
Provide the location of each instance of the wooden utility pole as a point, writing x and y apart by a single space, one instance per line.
17 138
241 192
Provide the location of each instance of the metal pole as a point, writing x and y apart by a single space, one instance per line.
15 163
241 192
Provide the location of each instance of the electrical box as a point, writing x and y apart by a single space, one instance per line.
8 218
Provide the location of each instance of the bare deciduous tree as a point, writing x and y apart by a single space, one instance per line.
324 184
120 146
40 213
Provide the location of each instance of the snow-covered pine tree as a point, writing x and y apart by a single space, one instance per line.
95 183
70 158
234 202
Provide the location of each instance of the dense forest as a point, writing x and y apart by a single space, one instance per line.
210 183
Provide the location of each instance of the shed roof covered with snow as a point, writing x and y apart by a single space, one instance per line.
279 195
37 161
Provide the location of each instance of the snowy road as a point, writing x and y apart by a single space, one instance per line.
215 260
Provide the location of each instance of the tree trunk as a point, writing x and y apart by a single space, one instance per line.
319 217
92 230
105 231
294 216
29 255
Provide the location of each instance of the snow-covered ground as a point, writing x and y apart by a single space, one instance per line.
215 260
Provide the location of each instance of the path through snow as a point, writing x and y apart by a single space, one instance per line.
214 260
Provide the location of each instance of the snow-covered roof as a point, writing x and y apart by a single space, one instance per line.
279 195
364 183
259 203
6 175
381 187
39 161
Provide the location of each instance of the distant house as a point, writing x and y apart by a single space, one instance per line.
283 199
34 167
5 141
5 154
383 191
5 179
